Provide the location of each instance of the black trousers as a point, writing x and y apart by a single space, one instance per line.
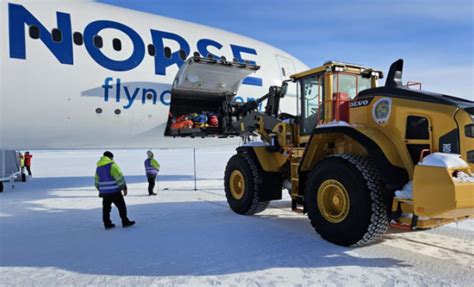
118 200
151 183
28 168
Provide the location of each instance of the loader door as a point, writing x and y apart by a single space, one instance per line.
312 91
200 94
418 136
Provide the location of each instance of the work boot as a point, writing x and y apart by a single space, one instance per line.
128 223
109 226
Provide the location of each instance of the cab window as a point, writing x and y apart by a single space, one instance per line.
311 91
350 84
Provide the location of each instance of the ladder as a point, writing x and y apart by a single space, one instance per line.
296 156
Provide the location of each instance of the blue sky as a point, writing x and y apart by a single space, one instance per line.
434 37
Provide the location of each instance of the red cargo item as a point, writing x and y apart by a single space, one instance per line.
188 124
181 118
341 107
214 121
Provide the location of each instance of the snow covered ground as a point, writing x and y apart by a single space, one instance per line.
51 234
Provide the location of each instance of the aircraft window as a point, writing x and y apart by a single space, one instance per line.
98 110
78 40
167 52
34 32
149 96
98 43
117 111
117 44
151 50
56 35
182 55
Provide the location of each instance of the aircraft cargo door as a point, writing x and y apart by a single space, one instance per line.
287 68
201 97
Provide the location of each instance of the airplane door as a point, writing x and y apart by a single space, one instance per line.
287 68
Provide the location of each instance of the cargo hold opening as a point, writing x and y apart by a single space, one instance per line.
202 96
196 115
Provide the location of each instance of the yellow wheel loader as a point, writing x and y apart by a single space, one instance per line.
356 157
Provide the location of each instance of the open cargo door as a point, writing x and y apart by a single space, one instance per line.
201 97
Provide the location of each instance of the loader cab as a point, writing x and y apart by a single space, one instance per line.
325 93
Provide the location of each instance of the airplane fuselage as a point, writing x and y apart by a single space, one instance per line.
88 75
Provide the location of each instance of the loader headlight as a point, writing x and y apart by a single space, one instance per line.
469 131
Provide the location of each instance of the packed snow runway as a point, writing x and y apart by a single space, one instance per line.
52 234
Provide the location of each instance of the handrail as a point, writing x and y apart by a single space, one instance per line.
413 83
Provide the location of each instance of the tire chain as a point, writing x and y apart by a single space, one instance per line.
257 206
379 221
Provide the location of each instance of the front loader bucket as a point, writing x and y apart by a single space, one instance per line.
439 193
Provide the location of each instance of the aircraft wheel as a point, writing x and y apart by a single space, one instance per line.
344 200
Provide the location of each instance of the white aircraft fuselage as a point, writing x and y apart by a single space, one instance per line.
89 75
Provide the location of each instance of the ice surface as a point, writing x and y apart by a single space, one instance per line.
51 234
447 160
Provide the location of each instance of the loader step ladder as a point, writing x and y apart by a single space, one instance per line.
296 156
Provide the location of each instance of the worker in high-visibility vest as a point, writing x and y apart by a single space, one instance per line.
110 183
152 167
22 166
21 160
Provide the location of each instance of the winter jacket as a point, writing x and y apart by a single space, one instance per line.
108 177
152 167
28 159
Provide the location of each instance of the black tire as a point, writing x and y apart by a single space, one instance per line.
367 217
1 186
249 203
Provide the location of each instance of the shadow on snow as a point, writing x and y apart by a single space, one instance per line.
170 239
